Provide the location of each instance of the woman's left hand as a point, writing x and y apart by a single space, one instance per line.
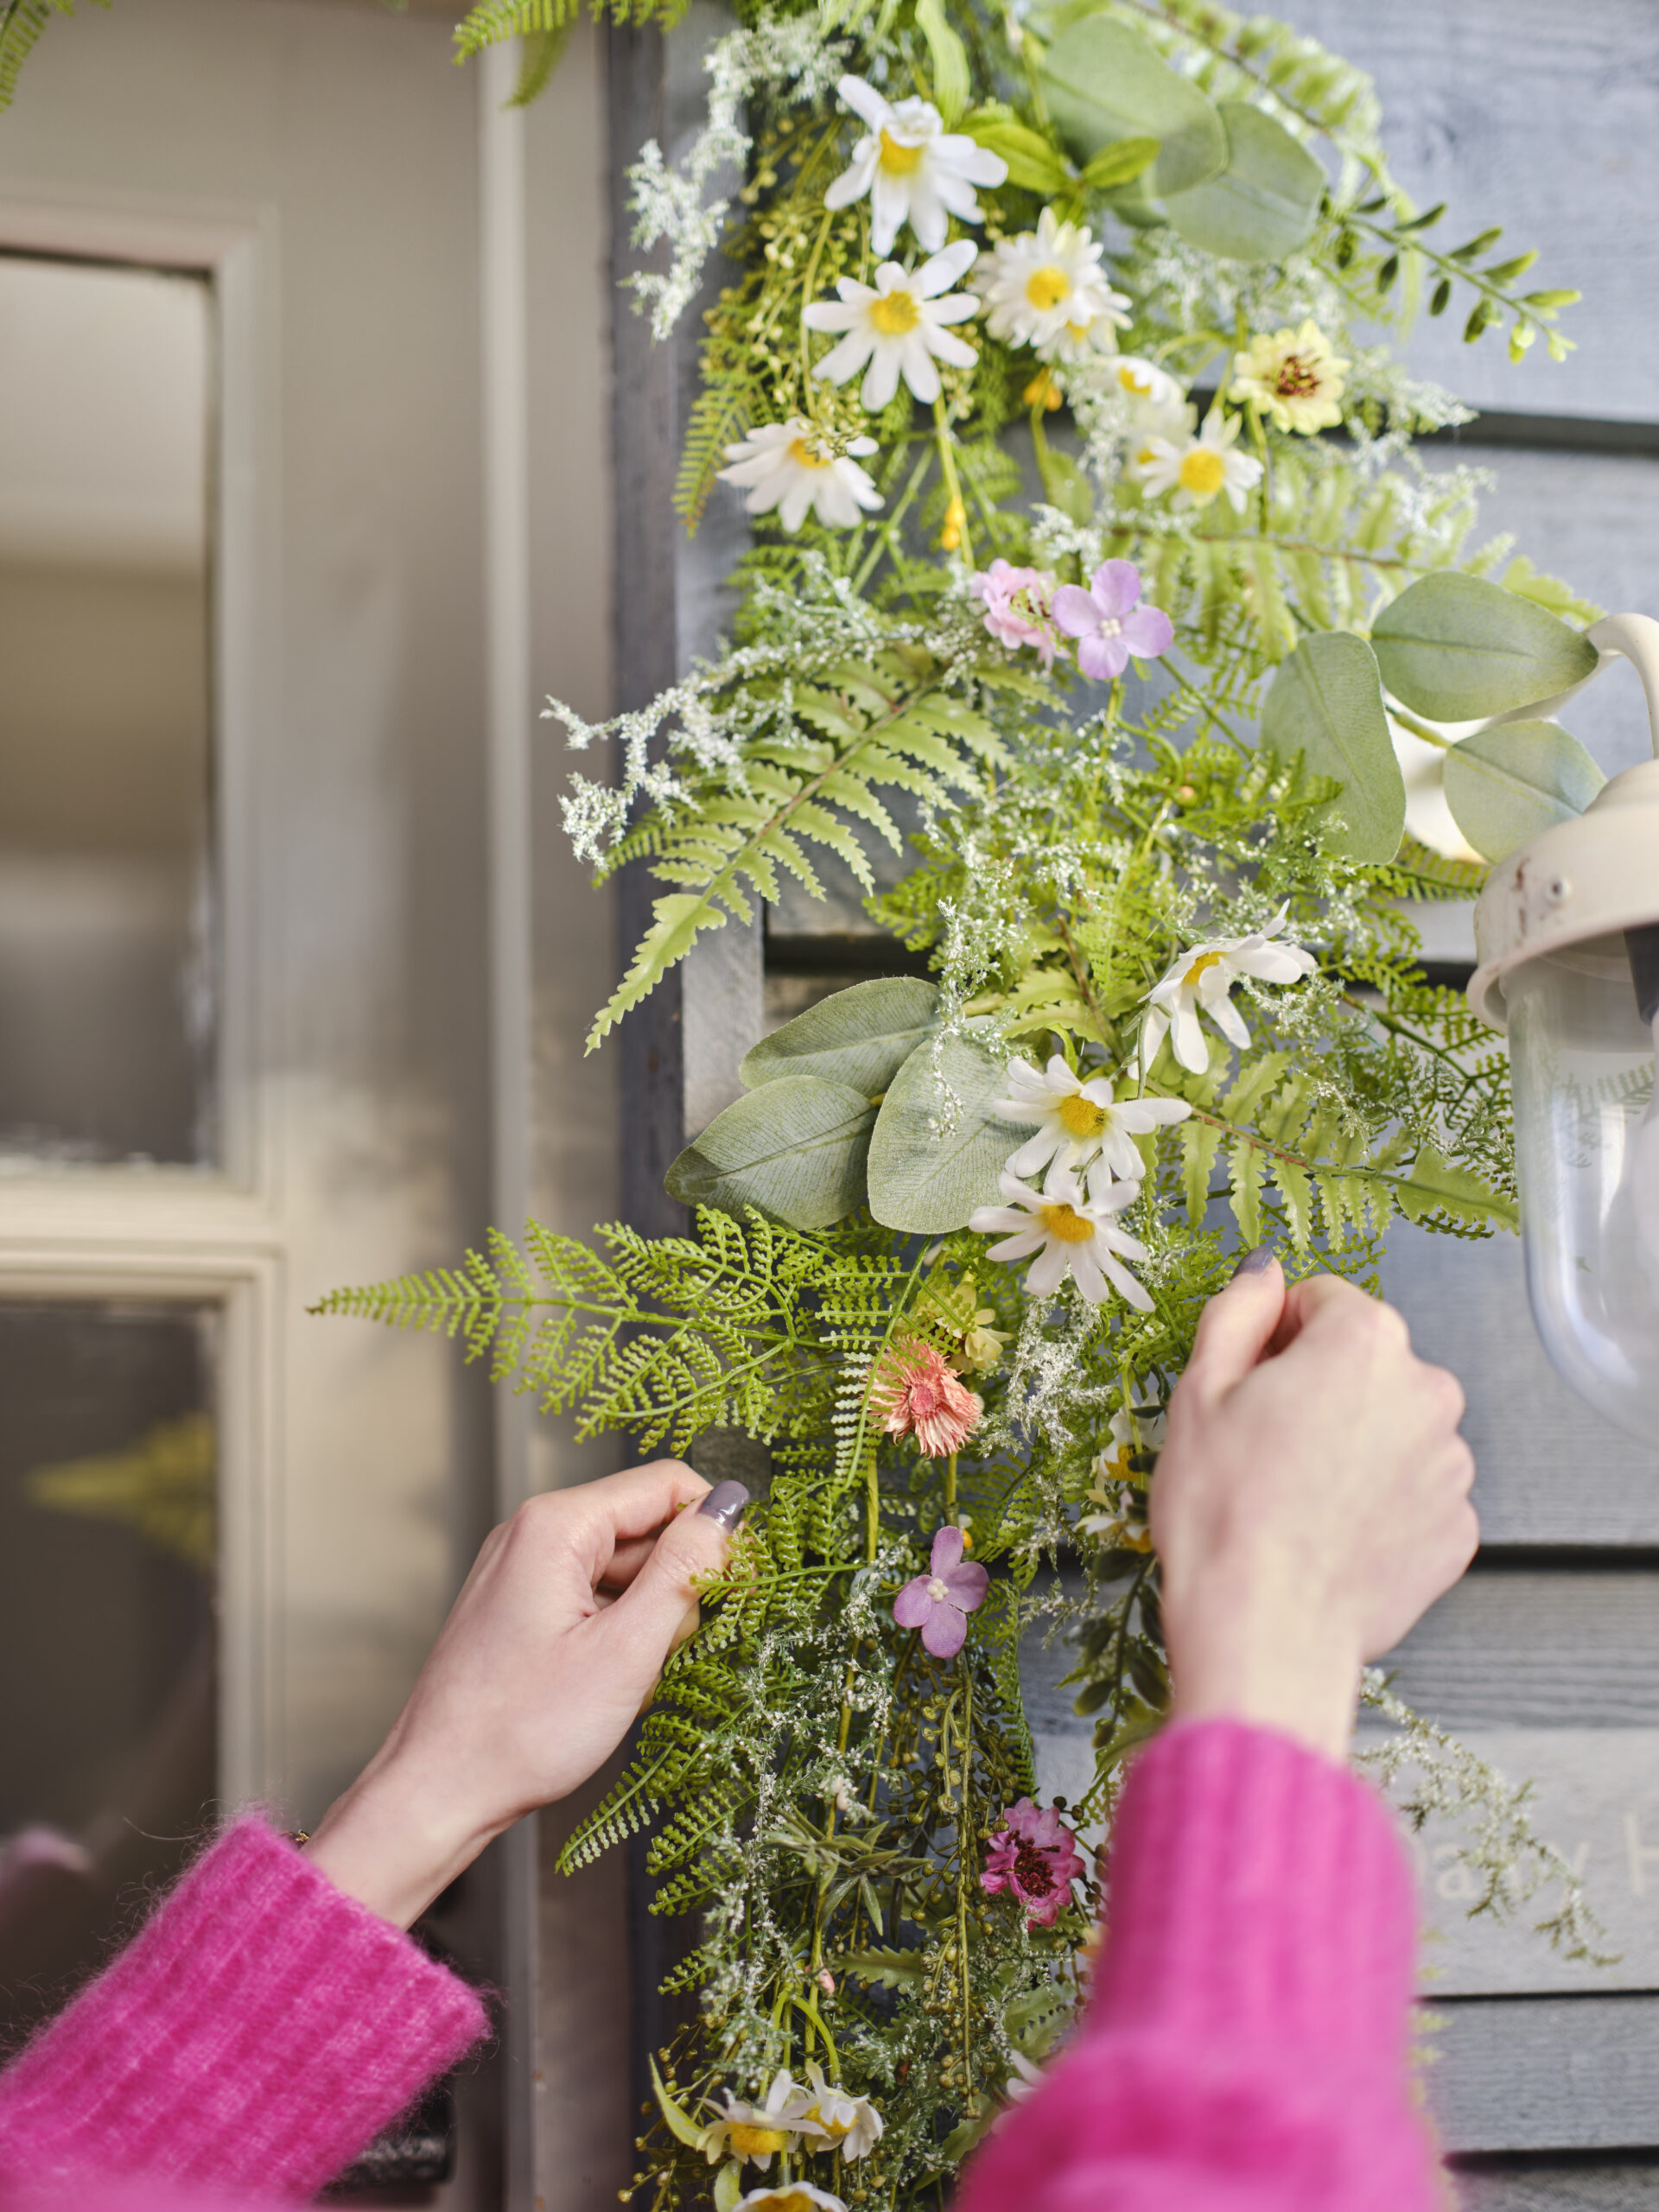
555 1643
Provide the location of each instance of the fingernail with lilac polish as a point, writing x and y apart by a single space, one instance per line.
1255 1262
726 1503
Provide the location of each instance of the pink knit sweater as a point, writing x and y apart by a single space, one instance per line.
1246 2051
255 2036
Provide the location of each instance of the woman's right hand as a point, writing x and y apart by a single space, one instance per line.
1311 1502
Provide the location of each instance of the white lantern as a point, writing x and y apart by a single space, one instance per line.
1567 937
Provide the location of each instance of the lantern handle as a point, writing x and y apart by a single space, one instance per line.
1634 637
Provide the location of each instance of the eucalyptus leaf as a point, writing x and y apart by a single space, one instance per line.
1326 703
1264 203
1456 648
939 1147
1033 162
1505 785
795 1148
1118 165
861 1036
1103 82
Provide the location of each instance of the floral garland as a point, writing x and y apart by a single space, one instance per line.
1089 533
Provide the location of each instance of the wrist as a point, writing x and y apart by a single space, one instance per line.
394 1842
1271 1662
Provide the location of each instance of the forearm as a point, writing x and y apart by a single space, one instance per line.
1247 2044
255 2034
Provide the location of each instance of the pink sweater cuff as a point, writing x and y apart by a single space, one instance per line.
1257 1891
256 2034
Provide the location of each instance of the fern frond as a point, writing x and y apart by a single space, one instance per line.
21 22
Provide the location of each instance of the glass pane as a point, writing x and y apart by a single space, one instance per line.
107 1644
105 1011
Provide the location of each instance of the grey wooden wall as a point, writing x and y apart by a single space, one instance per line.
1546 118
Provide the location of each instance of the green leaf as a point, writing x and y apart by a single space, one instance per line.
1244 1189
1326 703
891 1969
1118 165
1296 1191
1265 202
1068 488
1456 648
1435 1187
1506 784
1104 83
1200 1143
795 1148
1033 162
938 1148
680 2122
728 2186
950 59
861 1036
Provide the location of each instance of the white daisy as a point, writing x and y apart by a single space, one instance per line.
914 169
850 2125
1147 383
1048 290
787 466
1195 469
1078 1122
1200 983
900 327
1070 1233
754 2132
790 2196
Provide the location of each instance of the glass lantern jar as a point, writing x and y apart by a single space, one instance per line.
1567 937
1586 1141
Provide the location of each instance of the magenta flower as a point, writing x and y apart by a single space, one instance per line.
1110 623
1019 608
939 1602
1035 1855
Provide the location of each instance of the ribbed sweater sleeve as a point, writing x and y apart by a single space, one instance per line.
256 2034
1246 2048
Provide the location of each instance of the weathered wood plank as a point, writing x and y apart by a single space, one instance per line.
1565 2182
1546 2074
1545 119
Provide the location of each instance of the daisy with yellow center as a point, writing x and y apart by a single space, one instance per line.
850 2125
898 327
1070 1232
1078 1122
1201 982
755 2133
911 169
1294 377
787 466
790 2196
1120 1483
1193 470
1048 290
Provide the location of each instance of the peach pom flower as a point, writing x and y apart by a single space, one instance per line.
918 1395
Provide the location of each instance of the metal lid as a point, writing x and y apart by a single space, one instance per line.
1595 876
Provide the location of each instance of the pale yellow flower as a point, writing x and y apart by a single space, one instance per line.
1293 377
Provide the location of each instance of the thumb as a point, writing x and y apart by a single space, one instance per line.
1237 1325
658 1608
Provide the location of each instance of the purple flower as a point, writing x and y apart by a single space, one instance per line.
1110 623
939 1602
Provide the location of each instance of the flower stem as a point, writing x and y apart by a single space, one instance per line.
953 482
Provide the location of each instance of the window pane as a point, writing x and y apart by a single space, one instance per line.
107 1643
105 1021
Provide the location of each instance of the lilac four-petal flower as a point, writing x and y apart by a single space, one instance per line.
1110 623
939 1602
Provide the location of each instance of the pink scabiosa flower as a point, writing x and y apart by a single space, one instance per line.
918 1395
1019 607
1035 1855
1110 623
939 1602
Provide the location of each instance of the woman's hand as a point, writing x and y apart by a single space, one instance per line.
1310 1501
555 1643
